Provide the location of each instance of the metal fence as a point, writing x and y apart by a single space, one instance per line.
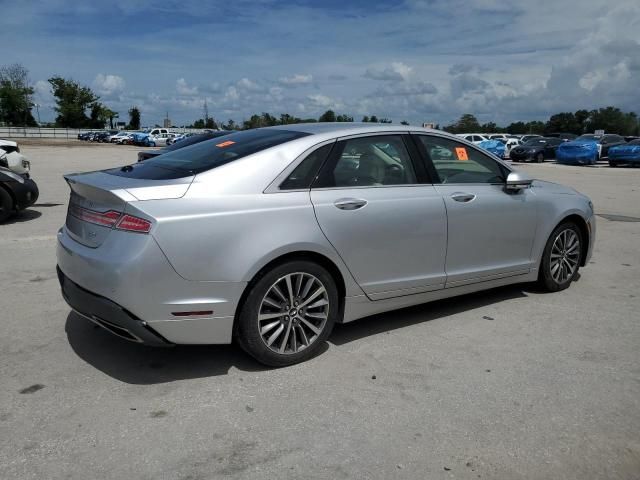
68 133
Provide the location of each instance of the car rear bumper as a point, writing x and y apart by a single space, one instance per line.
107 314
131 272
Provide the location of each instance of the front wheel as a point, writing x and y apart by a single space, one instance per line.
288 314
561 258
540 158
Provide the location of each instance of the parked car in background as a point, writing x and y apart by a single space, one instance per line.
17 190
142 139
526 138
497 147
126 139
536 149
627 154
587 149
272 235
563 136
84 136
474 138
117 135
13 159
186 142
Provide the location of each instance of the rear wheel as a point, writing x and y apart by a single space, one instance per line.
288 314
612 164
6 205
561 257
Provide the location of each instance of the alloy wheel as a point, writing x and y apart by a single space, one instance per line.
293 313
565 256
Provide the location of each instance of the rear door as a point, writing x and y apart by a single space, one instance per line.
388 225
490 231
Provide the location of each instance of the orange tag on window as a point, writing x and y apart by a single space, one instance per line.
461 153
225 144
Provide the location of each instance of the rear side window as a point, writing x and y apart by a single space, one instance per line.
210 154
304 174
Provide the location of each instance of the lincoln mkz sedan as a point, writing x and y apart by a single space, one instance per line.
268 237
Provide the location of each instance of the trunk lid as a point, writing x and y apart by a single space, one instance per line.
102 196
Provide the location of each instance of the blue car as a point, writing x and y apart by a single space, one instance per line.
496 147
587 149
628 154
143 140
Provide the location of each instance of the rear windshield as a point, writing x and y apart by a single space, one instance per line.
207 155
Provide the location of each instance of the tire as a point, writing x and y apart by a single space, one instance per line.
612 164
540 158
314 325
561 244
6 205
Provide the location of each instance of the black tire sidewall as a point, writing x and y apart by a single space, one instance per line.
545 278
7 205
246 332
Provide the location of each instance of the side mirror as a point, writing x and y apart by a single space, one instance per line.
517 181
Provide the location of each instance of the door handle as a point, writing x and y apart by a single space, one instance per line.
462 197
350 203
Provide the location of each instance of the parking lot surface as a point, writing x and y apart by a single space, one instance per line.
507 384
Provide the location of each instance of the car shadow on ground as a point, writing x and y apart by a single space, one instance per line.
22 216
141 365
386 322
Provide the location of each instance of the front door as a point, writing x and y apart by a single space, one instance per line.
389 229
490 231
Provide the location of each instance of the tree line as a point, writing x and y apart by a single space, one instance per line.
77 106
609 119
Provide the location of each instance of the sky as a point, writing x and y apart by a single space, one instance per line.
414 60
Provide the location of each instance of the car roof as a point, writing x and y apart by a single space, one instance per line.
350 128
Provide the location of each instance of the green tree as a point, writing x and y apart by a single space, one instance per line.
344 118
134 119
365 119
328 116
564 122
612 120
404 122
386 120
373 119
230 125
72 102
16 96
466 124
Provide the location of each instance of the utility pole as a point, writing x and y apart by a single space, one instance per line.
206 112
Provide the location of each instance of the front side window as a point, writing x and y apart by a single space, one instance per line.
369 161
455 162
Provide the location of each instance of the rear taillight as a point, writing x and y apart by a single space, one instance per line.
133 224
111 219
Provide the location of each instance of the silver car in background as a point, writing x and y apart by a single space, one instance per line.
271 236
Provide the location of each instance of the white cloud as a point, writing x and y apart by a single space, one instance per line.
297 79
248 85
396 72
183 88
108 85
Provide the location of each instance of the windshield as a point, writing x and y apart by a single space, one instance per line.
210 154
634 142
534 142
588 137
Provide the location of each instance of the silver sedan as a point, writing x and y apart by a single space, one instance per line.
270 236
